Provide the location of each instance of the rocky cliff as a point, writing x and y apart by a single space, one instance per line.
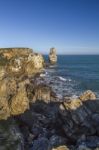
16 66
33 117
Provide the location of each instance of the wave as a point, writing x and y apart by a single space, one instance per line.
62 79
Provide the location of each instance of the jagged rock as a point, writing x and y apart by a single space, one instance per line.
4 109
19 102
88 95
90 142
40 91
2 72
21 61
10 136
52 56
15 67
43 92
61 148
40 144
77 118
56 141
34 64
8 88
15 52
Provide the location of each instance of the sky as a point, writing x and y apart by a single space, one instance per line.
71 26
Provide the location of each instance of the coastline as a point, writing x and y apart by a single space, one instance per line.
36 117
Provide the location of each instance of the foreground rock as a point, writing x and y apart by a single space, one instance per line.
10 136
52 56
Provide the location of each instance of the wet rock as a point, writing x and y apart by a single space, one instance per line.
40 144
95 121
77 118
10 136
56 141
91 143
88 95
83 147
52 56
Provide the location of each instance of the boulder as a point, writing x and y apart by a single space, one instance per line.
88 95
52 56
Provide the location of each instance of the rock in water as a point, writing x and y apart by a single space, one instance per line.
52 56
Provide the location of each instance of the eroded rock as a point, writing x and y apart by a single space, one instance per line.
52 56
19 102
88 95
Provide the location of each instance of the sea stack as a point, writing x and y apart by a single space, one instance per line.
52 56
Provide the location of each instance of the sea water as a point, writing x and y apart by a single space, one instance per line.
74 74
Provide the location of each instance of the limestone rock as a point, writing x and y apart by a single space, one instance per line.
73 104
4 109
88 95
15 67
34 64
2 72
52 56
19 102
20 62
15 52
61 148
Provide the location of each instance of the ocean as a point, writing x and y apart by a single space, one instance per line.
74 74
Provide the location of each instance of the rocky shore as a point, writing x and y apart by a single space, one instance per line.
33 116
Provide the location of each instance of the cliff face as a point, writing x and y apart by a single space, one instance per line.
53 56
16 66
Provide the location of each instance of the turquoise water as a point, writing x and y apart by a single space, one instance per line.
74 74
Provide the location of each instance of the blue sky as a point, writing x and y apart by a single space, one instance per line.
72 26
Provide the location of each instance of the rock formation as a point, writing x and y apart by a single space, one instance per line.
16 66
32 117
52 56
88 95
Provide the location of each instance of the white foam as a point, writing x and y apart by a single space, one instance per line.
42 75
61 78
